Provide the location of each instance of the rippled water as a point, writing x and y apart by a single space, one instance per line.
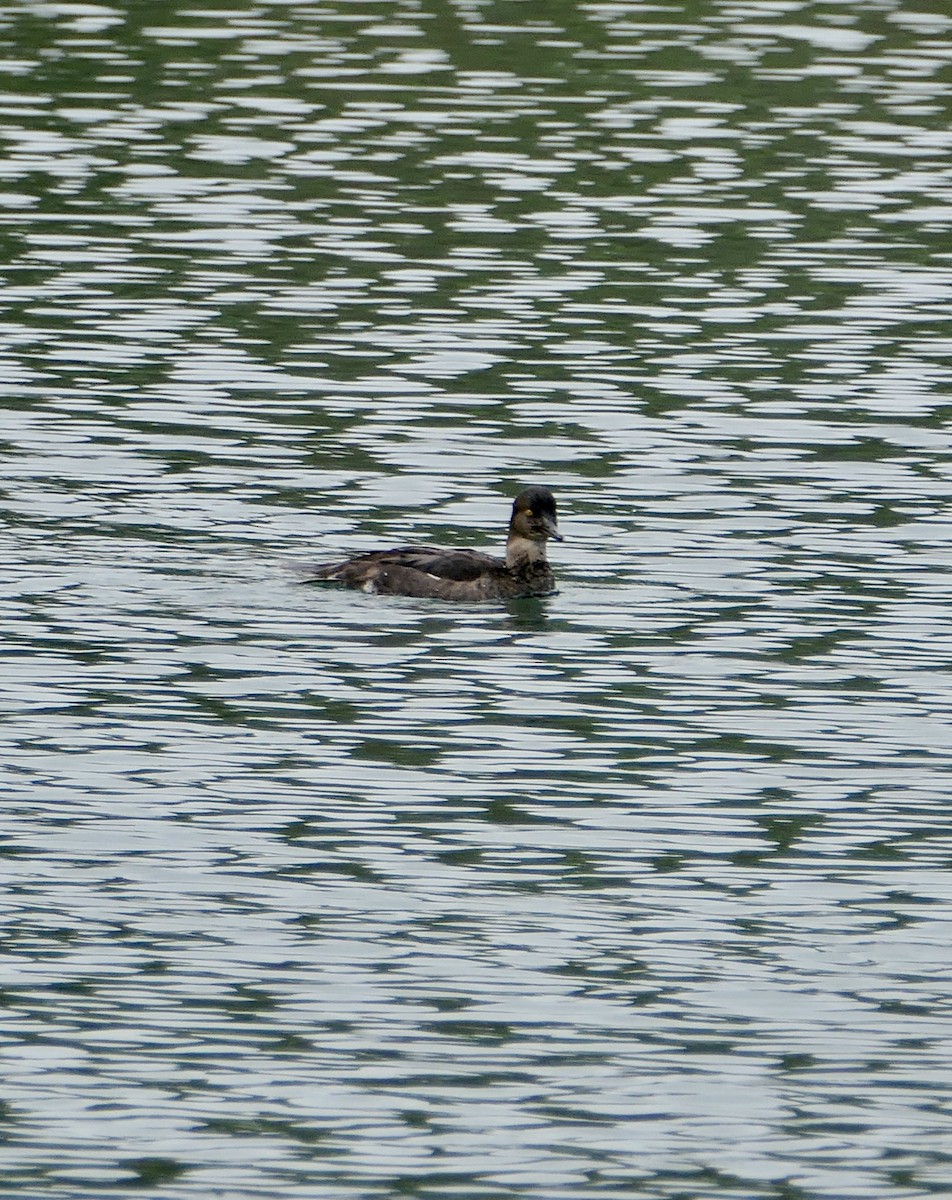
642 889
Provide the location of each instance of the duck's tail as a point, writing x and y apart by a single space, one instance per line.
306 572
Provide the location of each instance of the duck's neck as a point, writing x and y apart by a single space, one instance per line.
522 552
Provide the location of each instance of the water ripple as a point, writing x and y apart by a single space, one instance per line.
632 890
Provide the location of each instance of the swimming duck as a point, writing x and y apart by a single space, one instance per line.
451 574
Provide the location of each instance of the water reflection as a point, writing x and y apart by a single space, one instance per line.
640 887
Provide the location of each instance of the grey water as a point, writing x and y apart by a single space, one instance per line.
639 890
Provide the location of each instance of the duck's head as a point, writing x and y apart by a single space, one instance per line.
534 517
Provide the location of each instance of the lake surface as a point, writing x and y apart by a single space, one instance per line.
640 890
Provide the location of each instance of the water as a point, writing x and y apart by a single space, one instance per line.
639 890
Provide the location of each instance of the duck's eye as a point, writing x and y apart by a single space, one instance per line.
529 512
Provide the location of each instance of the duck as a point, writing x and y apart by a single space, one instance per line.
448 573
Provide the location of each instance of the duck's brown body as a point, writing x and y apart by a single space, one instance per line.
450 574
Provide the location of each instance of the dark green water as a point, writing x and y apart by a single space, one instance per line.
642 890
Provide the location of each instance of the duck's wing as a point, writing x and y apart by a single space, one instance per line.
442 562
